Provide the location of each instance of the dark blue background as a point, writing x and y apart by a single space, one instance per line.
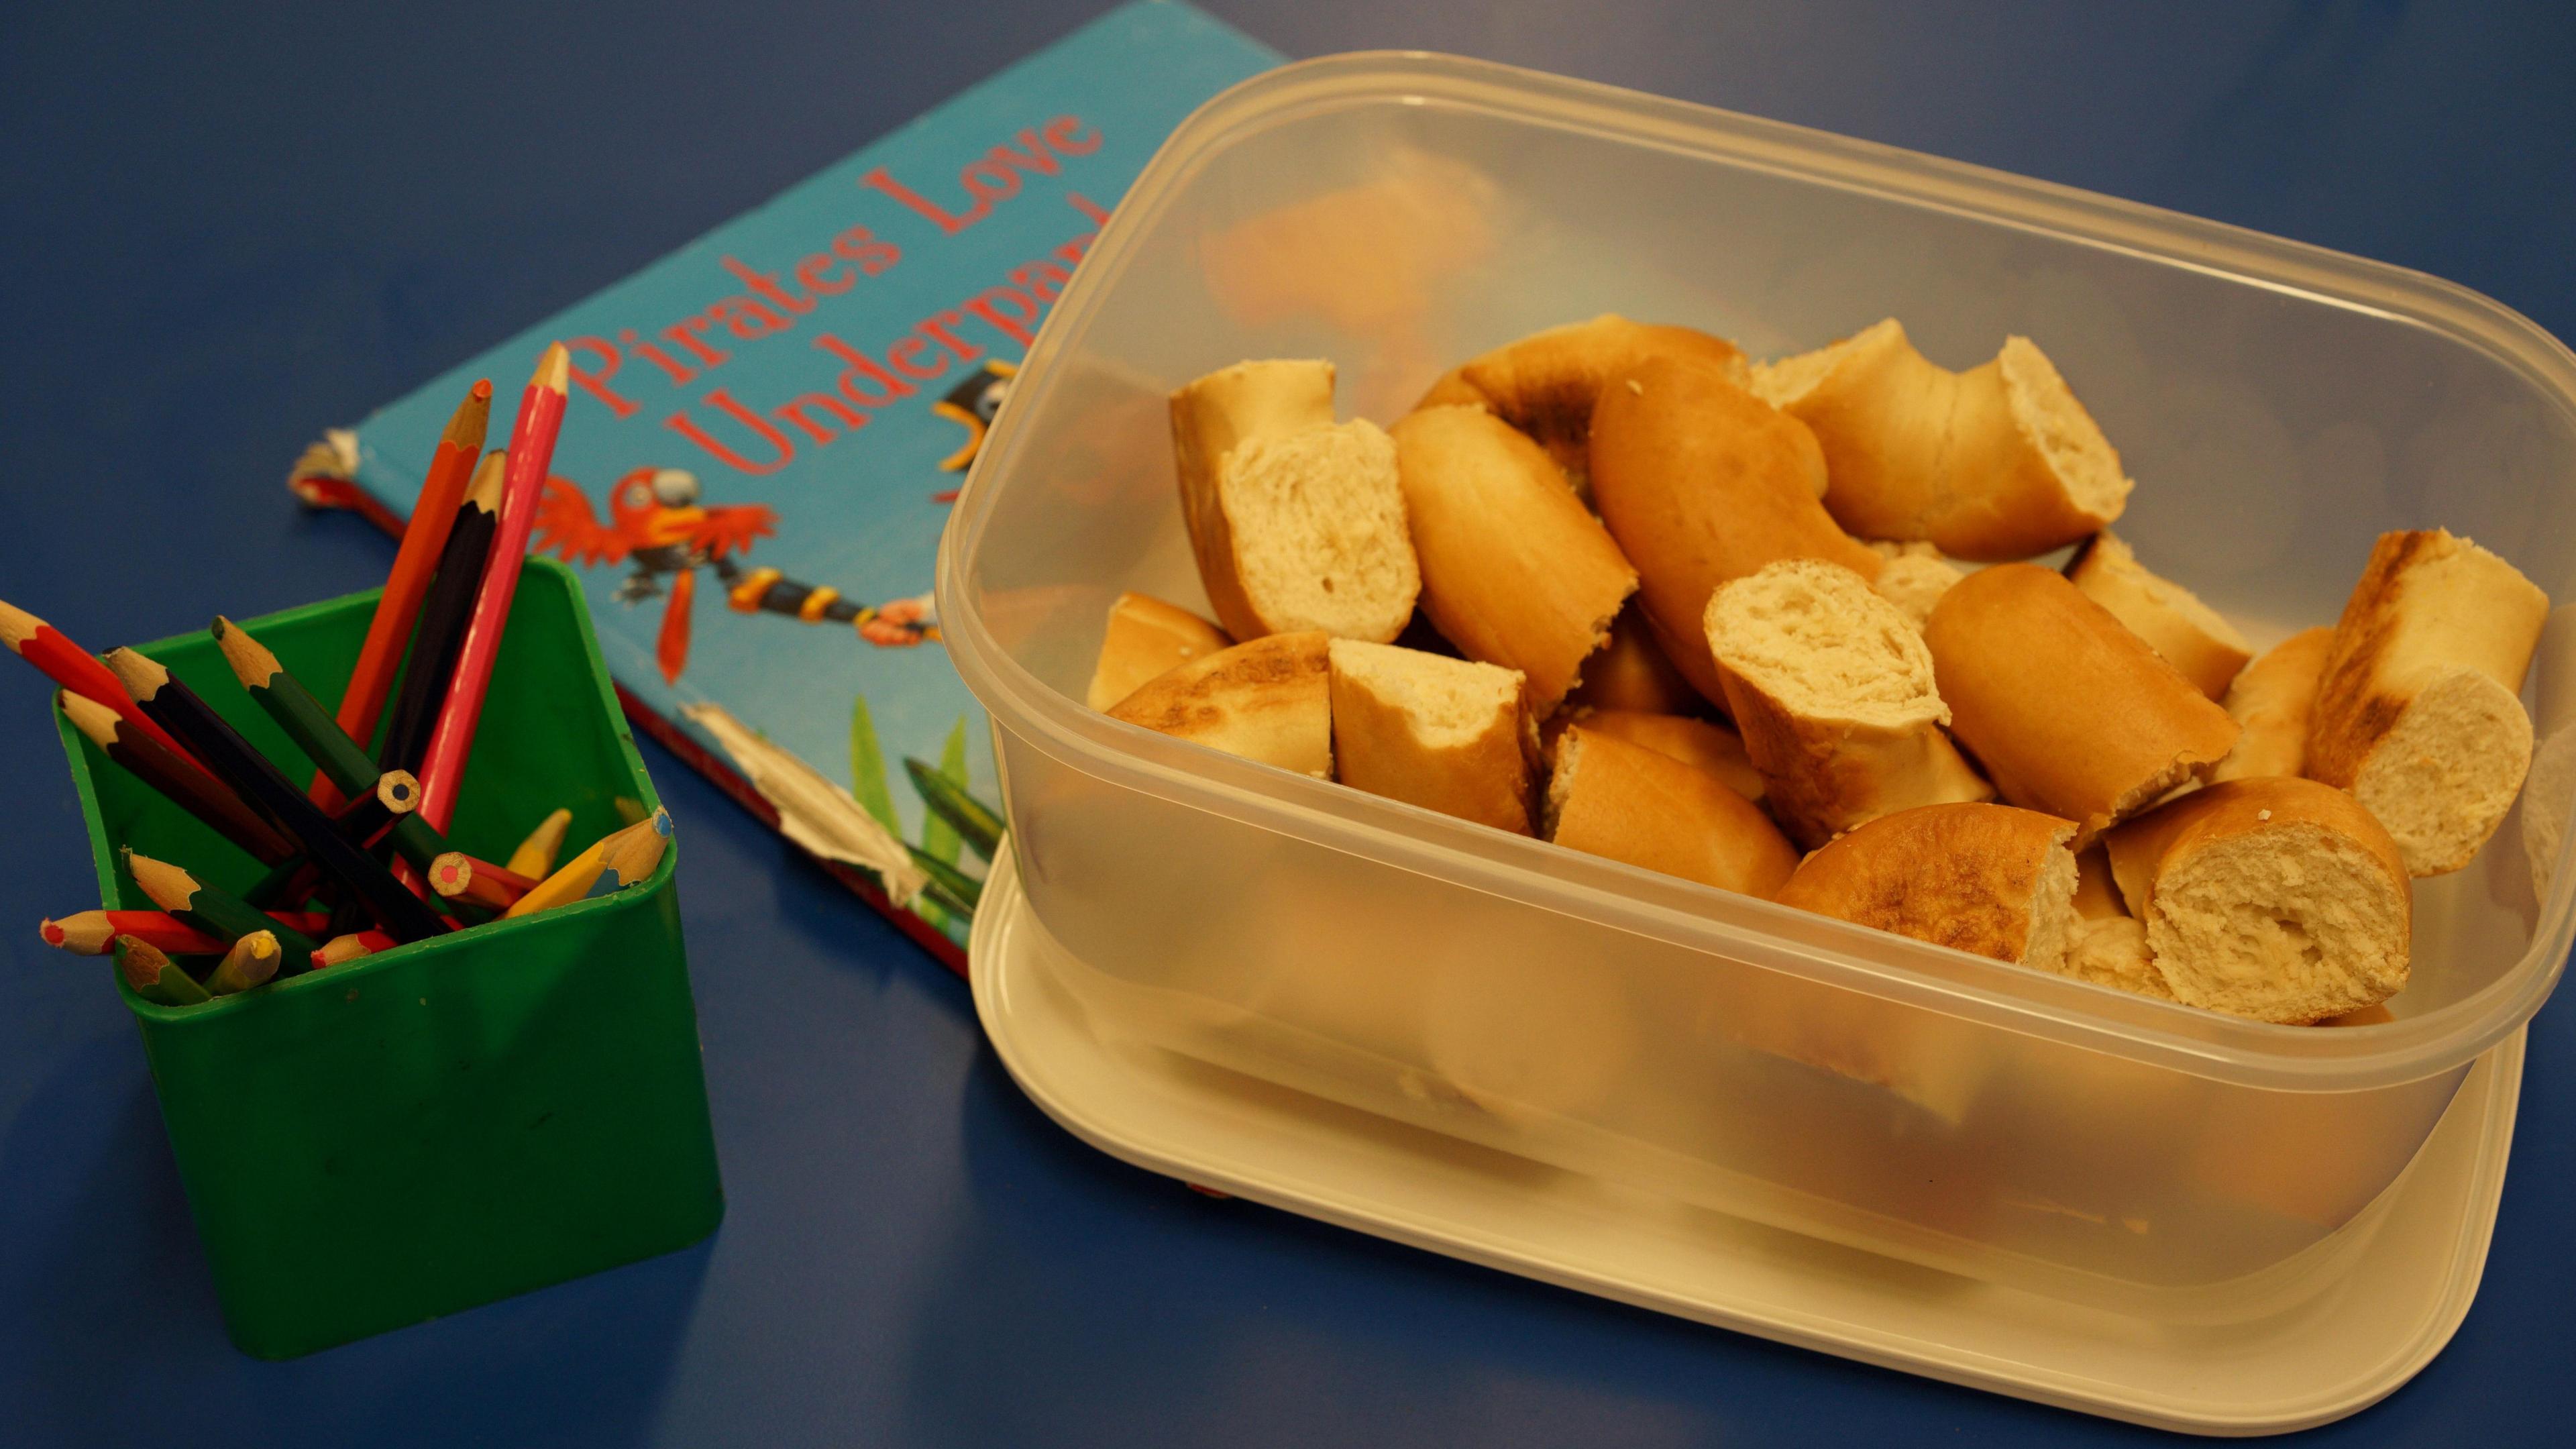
225 230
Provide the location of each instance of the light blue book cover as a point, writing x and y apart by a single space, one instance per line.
767 426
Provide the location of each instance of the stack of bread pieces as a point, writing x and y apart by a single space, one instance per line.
1774 628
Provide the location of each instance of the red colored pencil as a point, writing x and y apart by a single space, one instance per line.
532 451
451 467
90 933
76 669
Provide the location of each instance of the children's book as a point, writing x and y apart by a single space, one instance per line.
767 428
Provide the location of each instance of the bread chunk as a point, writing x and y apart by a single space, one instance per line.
1611 798
1833 690
1446 734
2191 636
1989 879
1269 700
1145 638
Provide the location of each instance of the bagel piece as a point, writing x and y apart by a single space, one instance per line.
1701 483
1695 742
1297 522
2270 701
2112 951
1450 735
2277 898
1545 383
2419 710
1631 672
1833 691
2192 636
1515 570
1991 879
1998 462
1611 798
1268 699
1914 577
2066 709
1146 638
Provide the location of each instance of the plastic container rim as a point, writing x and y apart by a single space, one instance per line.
1534 873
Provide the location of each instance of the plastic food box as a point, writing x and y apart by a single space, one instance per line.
455 1120
2279 406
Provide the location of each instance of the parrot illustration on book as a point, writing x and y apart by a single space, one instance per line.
657 526
971 405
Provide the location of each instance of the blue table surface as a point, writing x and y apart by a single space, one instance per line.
227 229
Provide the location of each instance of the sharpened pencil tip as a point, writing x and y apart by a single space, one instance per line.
51 932
554 369
482 389
17 626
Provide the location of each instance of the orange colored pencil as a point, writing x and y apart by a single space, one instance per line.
532 451
451 467
76 669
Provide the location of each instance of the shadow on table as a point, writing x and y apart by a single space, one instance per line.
110 1332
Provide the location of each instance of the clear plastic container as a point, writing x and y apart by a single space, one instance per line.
2279 406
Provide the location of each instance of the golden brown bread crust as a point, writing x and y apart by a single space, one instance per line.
1146 638
1955 875
1215 415
1269 699
1916 451
1695 742
1379 749
2271 700
2191 636
1629 803
2367 684
1826 776
1702 482
1545 383
1515 571
2066 709
1631 672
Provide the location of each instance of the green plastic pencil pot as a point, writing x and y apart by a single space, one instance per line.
456 1120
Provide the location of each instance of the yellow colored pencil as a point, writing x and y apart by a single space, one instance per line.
535 857
613 861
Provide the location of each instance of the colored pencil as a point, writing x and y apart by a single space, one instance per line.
350 947
444 613
451 467
90 933
457 876
76 669
177 706
535 857
343 761
612 862
532 450
212 910
154 976
251 962
186 786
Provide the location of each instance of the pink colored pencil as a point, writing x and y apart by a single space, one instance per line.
532 451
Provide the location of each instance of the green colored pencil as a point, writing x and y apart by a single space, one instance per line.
320 737
216 912
979 827
154 976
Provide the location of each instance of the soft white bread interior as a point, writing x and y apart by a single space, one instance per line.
1695 742
2112 951
1450 735
2419 711
1146 638
1612 798
2270 700
2066 709
1268 699
2278 899
1833 691
1545 383
1990 879
1915 582
1701 482
1297 523
1998 462
2191 636
1515 570
1632 673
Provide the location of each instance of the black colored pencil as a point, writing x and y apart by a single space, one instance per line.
444 614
